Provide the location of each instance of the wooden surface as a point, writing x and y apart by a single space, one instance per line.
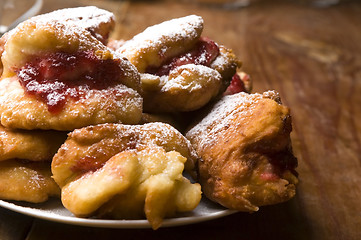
313 58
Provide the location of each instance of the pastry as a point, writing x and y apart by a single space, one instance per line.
126 172
180 70
27 181
25 159
29 145
245 150
56 75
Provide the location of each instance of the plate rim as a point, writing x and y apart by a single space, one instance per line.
109 223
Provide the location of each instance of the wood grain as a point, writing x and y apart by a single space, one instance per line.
312 57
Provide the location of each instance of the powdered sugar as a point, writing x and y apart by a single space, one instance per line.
179 28
85 17
191 77
221 115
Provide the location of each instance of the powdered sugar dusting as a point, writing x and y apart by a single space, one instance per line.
191 77
85 17
221 115
179 28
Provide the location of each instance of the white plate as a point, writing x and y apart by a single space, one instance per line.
53 210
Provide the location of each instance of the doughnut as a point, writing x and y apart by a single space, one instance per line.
187 88
245 149
25 164
29 145
180 70
56 75
27 181
157 43
127 172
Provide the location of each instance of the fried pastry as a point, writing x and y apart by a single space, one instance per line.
245 150
27 181
180 70
126 171
29 145
56 75
25 159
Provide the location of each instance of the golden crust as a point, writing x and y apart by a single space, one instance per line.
29 145
27 181
126 171
239 141
186 88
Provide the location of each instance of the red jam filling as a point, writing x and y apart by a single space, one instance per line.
203 53
55 77
236 85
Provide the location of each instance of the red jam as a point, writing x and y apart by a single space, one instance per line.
236 85
55 77
203 53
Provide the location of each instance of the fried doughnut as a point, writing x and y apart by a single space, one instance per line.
187 88
245 150
126 171
27 181
98 22
180 70
58 76
29 145
162 41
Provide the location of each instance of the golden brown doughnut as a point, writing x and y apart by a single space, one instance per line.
58 76
245 150
126 171
29 145
187 88
27 181
180 70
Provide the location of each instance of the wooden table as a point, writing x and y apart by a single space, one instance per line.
312 56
